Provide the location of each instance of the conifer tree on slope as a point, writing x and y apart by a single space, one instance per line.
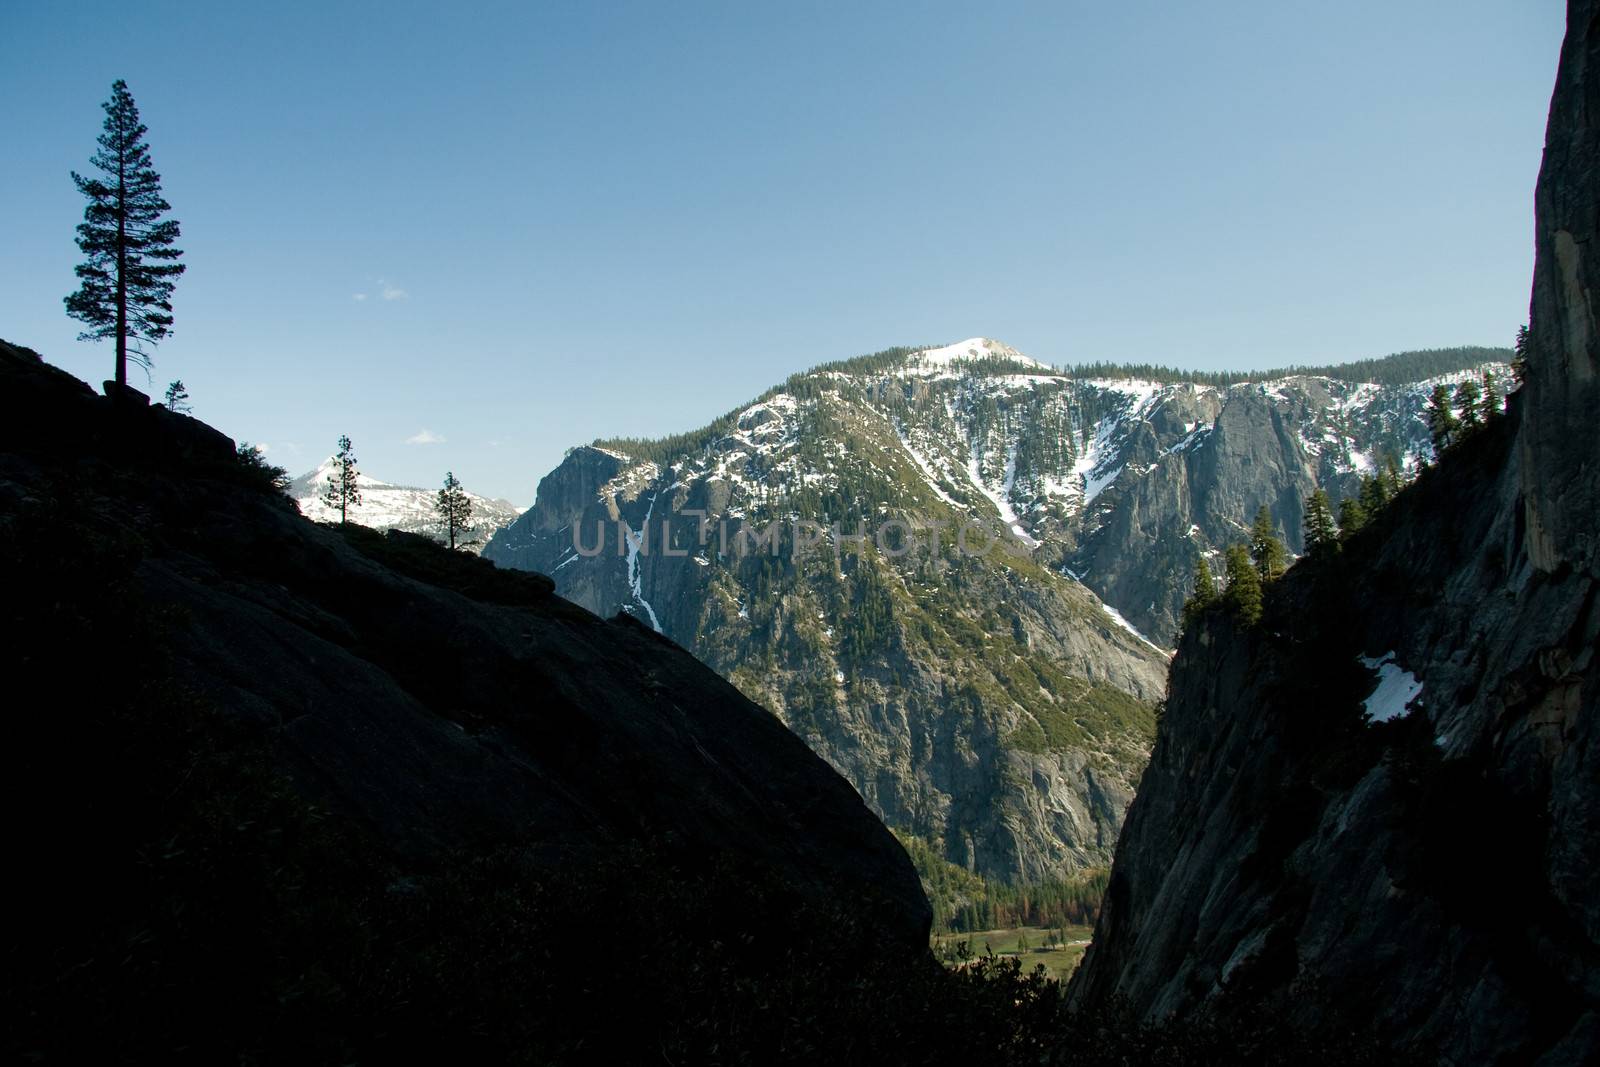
1322 535
343 491
128 276
177 398
1352 516
1442 424
1243 595
1205 591
1374 494
1468 400
454 509
1391 477
1265 548
1491 397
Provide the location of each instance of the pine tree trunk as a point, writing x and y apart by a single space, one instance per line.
122 284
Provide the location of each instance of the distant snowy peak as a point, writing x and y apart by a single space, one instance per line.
385 506
330 466
946 361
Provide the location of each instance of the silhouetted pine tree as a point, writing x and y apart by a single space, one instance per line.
454 509
177 398
128 277
1442 422
1322 535
343 491
1243 595
1519 362
1265 548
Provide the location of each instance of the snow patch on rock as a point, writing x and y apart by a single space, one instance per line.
1397 688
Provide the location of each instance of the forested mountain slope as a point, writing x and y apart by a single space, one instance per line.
981 684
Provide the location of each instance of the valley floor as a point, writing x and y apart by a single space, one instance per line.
1058 950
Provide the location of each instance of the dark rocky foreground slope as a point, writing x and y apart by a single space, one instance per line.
1433 876
281 792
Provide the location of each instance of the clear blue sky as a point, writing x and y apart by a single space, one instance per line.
598 218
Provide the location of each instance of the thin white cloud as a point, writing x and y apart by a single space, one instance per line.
425 437
381 289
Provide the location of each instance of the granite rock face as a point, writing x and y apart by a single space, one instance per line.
1383 803
1564 381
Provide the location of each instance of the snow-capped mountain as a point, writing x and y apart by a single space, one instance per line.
978 562
385 506
1121 482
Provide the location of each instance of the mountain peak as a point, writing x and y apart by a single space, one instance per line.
936 360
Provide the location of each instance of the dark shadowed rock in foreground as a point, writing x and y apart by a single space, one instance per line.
290 791
1432 876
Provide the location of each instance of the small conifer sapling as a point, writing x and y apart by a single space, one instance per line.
177 398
